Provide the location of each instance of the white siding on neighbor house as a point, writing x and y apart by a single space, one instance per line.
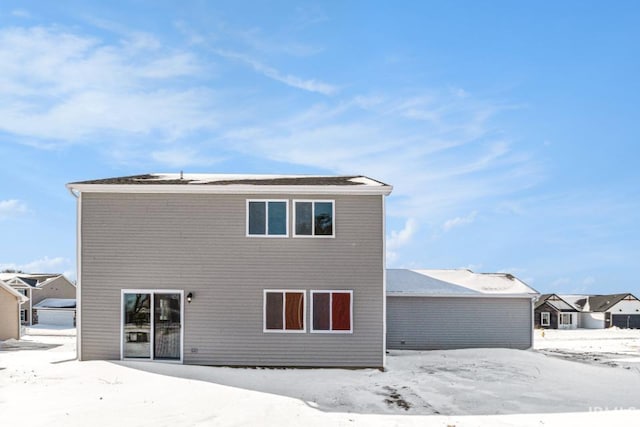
198 243
574 320
626 307
439 323
591 320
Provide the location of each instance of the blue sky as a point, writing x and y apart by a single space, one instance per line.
509 130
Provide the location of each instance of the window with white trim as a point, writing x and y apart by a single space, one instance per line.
545 318
268 218
332 311
565 318
284 310
314 218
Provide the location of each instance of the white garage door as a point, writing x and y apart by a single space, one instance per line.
55 317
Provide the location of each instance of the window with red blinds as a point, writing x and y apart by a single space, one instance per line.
284 311
332 311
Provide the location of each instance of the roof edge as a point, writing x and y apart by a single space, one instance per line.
478 295
384 189
9 288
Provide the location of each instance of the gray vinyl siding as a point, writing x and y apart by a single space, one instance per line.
438 323
197 243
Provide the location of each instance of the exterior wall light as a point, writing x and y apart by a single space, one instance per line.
189 297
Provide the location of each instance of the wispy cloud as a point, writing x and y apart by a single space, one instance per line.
141 100
400 238
560 282
41 265
310 85
12 208
61 86
21 13
181 157
459 221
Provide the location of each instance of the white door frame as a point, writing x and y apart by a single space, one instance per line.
152 292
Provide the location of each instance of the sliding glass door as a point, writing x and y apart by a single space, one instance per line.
152 325
167 326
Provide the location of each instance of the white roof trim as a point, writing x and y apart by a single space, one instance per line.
13 292
232 189
426 295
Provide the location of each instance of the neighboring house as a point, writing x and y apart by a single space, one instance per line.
38 287
553 312
25 286
605 311
10 301
449 309
232 269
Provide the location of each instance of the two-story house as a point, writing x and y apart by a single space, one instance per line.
232 269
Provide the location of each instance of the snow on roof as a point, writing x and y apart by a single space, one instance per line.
455 282
56 303
7 287
236 179
401 281
602 303
555 301
579 302
234 184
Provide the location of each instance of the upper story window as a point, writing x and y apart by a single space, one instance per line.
314 218
268 218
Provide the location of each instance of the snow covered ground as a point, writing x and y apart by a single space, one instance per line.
41 384
613 347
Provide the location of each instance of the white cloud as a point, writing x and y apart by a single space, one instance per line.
181 157
311 85
400 238
12 208
61 86
42 265
437 167
560 282
20 13
136 98
459 221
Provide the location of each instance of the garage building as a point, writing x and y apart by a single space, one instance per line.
56 312
450 309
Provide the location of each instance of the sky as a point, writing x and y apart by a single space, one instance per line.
509 130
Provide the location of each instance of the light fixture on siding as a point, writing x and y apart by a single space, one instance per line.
189 297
